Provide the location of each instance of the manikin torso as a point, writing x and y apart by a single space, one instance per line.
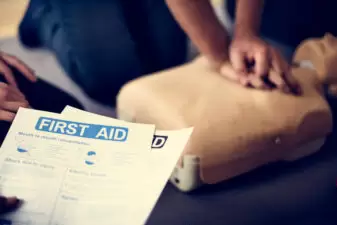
236 129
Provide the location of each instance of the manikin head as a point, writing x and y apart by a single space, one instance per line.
321 53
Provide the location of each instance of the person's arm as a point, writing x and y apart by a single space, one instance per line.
198 19
248 17
248 46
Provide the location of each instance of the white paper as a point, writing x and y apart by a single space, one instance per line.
167 146
31 143
58 195
35 182
119 182
63 147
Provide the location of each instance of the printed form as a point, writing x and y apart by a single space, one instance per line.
51 163
80 168
167 146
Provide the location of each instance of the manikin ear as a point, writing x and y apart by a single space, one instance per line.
321 53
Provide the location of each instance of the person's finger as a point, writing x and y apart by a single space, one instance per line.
237 59
7 73
244 81
278 63
21 66
261 66
14 106
257 82
6 115
14 94
9 204
279 81
228 72
10 93
3 91
292 83
281 66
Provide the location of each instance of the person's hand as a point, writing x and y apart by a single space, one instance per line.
11 99
9 204
253 59
6 59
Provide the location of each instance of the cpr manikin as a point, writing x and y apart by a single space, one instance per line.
236 129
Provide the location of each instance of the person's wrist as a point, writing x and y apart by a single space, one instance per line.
241 31
217 52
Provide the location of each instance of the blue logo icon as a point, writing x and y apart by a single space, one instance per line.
21 150
91 155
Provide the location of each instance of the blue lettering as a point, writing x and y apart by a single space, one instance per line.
84 130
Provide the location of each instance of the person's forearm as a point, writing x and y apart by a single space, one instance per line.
198 19
248 17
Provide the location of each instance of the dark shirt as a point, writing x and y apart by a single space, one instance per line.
292 21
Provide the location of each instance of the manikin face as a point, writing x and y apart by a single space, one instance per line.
328 46
321 54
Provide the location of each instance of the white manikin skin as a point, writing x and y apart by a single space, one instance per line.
237 129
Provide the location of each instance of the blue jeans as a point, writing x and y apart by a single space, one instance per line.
104 44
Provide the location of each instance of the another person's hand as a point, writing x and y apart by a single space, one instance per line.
253 59
5 60
11 99
9 204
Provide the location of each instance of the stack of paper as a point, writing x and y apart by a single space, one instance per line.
78 168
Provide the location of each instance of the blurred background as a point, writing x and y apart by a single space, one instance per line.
12 12
10 16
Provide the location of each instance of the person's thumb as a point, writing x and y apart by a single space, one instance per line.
228 72
237 59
